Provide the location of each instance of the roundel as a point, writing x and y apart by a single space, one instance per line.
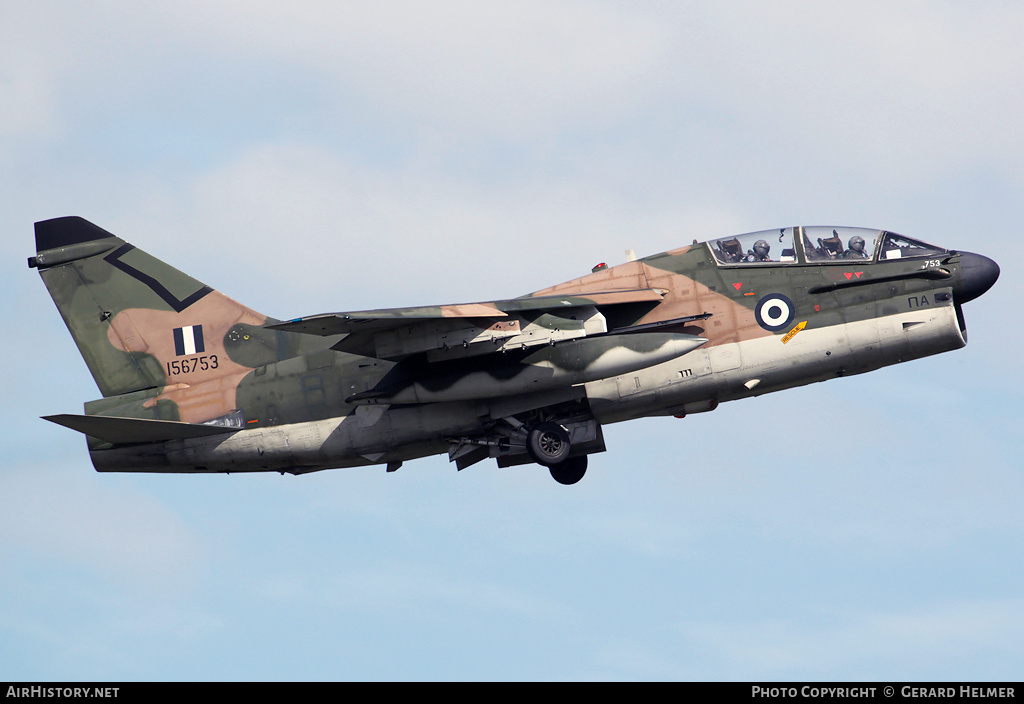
774 312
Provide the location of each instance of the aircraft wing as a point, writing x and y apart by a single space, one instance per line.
467 329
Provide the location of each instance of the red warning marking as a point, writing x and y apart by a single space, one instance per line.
816 308
858 273
738 286
848 276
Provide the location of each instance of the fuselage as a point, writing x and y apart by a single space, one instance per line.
768 311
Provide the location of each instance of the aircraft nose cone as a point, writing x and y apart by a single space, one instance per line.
977 274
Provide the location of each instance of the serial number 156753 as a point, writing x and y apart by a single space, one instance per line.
187 366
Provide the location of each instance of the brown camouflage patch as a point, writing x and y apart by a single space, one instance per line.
201 384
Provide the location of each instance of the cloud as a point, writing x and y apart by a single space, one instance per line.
510 70
340 236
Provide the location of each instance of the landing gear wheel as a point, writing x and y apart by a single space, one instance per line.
547 444
570 471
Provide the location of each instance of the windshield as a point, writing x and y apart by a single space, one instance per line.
899 247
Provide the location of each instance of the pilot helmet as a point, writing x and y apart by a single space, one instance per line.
761 248
857 243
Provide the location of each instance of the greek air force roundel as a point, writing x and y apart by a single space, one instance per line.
774 312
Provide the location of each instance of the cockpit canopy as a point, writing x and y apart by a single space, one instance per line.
818 245
756 247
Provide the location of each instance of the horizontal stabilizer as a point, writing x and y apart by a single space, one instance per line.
121 431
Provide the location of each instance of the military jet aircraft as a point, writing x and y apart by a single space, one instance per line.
194 382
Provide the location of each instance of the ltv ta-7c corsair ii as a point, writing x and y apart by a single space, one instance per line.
194 382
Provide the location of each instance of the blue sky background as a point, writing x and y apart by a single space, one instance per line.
307 157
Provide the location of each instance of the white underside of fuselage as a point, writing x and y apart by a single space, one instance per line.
752 367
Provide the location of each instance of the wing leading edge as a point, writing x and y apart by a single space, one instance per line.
469 329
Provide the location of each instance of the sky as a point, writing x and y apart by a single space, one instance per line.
309 157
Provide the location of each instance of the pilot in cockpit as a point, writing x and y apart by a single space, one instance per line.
856 248
759 253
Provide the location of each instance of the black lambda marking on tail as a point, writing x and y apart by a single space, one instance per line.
114 259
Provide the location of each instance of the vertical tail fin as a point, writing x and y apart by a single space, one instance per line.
138 322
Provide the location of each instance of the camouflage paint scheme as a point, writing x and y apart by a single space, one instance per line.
193 381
